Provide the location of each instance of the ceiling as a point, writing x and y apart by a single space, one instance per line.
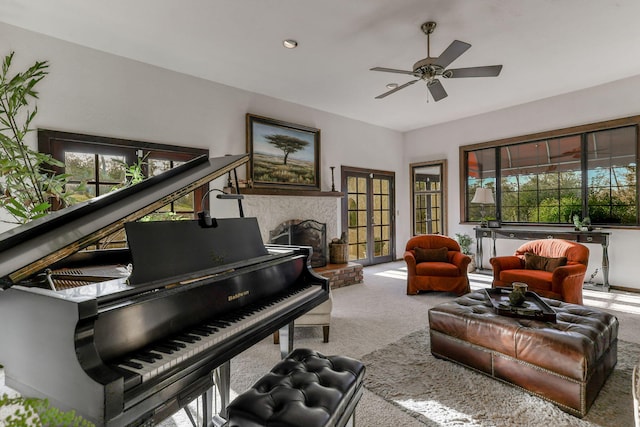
547 47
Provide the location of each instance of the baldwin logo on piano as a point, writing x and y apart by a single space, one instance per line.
238 295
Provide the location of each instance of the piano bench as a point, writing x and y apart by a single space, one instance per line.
304 389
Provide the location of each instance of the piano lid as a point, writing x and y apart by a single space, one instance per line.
29 248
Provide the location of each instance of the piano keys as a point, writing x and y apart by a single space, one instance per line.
128 336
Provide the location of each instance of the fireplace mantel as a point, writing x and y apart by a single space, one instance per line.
286 192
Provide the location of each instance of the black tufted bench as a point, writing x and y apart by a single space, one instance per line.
304 389
566 362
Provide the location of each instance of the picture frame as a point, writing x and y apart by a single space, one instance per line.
282 154
493 223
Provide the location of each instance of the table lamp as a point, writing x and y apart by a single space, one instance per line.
483 196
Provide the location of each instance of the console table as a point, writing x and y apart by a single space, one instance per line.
595 236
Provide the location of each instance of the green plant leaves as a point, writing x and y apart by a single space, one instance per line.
30 182
38 412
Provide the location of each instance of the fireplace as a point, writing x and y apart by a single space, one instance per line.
304 233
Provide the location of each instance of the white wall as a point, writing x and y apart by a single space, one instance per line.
92 92
610 101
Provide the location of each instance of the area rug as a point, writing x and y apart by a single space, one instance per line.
441 393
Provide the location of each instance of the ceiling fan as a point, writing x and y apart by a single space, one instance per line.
428 69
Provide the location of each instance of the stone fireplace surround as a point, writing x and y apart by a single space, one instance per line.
272 210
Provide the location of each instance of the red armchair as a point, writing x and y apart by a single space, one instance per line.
542 275
435 263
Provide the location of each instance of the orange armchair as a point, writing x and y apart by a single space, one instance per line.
435 263
544 276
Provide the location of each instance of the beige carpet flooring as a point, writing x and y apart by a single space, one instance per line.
376 313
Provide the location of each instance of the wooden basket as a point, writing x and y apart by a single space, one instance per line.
338 253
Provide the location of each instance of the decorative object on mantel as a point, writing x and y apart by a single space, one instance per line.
283 155
584 225
339 250
483 196
333 184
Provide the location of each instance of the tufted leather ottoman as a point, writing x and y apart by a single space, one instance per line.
304 389
566 362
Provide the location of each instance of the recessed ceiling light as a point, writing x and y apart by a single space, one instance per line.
392 86
290 44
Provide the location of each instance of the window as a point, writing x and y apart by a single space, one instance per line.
428 189
589 171
100 164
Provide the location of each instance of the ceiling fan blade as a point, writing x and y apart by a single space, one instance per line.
450 54
391 70
437 90
487 71
396 89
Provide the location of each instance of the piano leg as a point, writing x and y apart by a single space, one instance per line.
207 407
222 379
286 340
206 399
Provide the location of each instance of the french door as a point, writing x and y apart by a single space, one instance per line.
429 191
368 214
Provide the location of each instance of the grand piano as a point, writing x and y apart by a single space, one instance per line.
130 336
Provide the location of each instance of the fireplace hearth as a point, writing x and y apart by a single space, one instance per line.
304 233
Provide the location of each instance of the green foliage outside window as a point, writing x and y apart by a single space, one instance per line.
548 181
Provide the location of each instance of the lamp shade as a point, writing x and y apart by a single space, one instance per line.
483 196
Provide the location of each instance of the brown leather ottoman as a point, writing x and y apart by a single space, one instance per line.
566 362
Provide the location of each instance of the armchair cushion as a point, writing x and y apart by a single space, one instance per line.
431 255
536 280
443 269
537 262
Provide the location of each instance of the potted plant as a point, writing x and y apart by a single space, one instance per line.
465 241
584 225
28 183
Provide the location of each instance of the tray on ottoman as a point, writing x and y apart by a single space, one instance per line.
534 307
566 362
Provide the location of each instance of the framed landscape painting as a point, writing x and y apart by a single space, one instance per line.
283 155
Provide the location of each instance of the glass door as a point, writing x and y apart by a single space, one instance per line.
368 215
428 188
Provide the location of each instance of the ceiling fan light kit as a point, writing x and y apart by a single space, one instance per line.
290 43
430 68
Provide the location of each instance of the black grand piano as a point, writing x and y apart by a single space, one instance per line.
130 336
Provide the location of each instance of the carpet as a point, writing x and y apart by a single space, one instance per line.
441 393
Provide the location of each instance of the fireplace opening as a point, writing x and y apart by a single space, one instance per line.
304 233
